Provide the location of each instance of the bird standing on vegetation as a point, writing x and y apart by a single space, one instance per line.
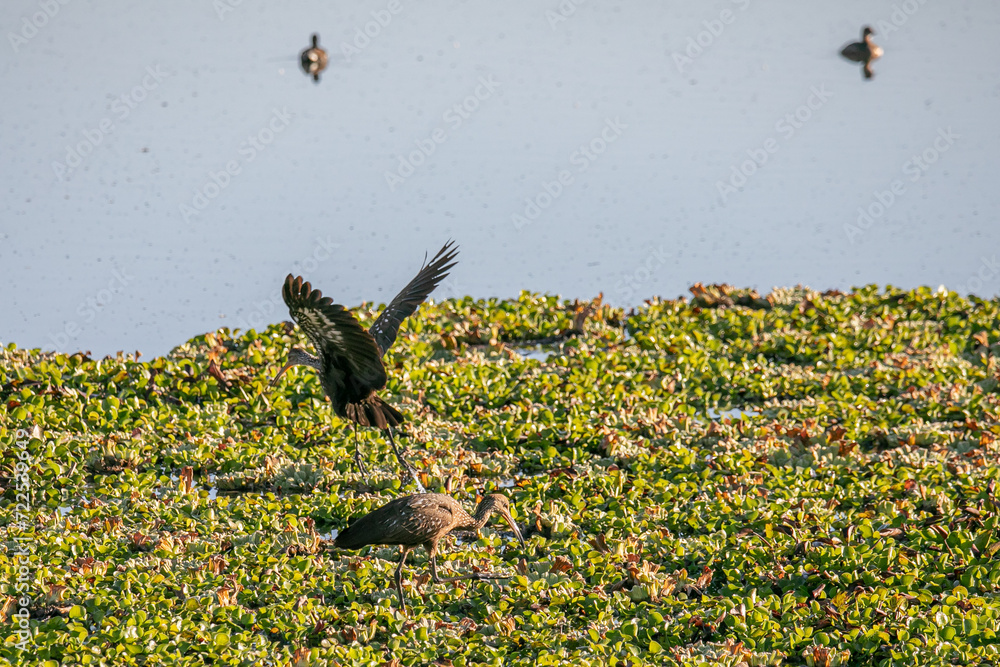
350 358
314 59
864 51
423 519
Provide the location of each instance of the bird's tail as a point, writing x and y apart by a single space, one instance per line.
374 412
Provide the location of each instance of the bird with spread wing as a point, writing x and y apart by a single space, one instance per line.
349 359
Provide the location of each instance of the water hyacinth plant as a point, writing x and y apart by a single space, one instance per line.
799 478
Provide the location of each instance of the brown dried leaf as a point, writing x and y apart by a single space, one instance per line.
227 595
301 657
846 447
54 594
214 371
468 625
187 479
896 533
705 579
821 656
216 564
561 564
7 608
506 625
600 543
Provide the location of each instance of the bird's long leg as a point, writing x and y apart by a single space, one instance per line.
476 576
399 457
403 550
357 451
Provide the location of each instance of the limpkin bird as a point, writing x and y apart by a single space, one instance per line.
350 358
864 51
423 519
314 59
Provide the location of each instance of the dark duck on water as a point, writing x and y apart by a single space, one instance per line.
864 51
349 359
314 59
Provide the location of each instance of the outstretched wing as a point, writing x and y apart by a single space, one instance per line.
334 331
430 276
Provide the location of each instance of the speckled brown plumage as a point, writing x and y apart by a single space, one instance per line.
422 519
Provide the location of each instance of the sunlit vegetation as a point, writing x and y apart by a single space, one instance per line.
801 478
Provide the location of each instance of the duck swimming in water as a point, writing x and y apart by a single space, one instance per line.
314 59
864 51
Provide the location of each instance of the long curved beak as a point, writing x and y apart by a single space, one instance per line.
513 526
280 373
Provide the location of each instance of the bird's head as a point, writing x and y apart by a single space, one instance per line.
315 40
296 357
498 503
867 31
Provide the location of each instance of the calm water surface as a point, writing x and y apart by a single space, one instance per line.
164 165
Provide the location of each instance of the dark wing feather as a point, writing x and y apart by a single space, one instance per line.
430 276
334 331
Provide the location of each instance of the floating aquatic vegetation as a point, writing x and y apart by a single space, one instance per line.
704 481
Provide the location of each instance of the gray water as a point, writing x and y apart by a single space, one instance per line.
624 124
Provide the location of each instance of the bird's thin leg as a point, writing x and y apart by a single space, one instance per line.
357 452
403 550
434 567
399 457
